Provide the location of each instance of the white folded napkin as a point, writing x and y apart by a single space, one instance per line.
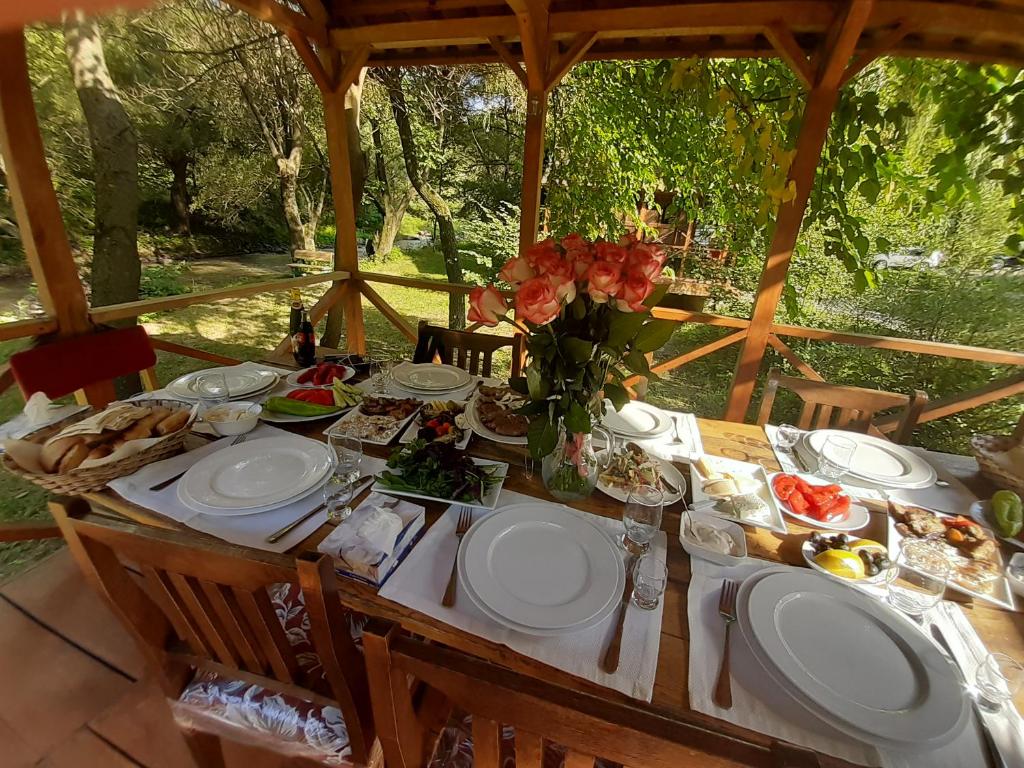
380 530
370 533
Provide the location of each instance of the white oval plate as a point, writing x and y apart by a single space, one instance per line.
668 471
540 565
478 426
859 515
289 418
430 377
202 509
877 460
241 382
293 378
637 420
257 473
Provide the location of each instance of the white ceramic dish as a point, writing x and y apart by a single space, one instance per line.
246 420
875 460
343 425
257 473
852 661
242 381
1001 594
773 521
202 509
429 377
637 420
489 501
414 426
980 513
807 550
1016 564
668 471
293 378
488 434
697 549
858 518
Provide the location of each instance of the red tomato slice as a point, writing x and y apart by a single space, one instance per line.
798 503
784 485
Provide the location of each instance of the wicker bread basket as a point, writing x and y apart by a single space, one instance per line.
88 479
985 447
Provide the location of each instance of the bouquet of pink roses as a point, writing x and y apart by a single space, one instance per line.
585 309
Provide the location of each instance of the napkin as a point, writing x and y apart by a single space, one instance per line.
768 709
379 531
22 424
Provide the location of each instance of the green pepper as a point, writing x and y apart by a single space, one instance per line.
1006 508
298 407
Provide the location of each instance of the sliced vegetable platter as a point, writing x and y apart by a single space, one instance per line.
287 404
440 472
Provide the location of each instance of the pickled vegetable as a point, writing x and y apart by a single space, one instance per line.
1008 513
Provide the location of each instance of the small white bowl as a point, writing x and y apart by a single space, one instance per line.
247 420
1016 582
696 549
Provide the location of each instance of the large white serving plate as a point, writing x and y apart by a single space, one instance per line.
430 377
257 473
202 509
876 460
637 420
488 434
289 418
1001 595
858 518
489 501
851 660
774 520
668 472
342 424
542 568
241 381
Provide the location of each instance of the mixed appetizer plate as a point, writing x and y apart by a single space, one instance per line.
630 466
440 472
750 503
377 419
442 421
290 405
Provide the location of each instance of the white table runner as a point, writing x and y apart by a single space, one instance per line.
420 581
760 705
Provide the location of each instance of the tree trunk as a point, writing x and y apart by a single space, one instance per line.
437 205
395 207
180 198
288 169
115 261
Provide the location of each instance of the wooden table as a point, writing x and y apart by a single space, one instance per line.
1001 630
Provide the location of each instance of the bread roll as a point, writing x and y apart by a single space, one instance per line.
173 423
99 452
75 456
54 451
137 431
25 454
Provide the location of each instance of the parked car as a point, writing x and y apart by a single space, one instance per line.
908 258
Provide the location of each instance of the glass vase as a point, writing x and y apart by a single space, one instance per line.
570 470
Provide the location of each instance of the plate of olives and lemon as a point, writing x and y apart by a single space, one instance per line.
847 558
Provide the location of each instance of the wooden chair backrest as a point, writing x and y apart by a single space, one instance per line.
842 407
586 725
89 362
206 606
473 352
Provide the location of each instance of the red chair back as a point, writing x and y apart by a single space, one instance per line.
68 365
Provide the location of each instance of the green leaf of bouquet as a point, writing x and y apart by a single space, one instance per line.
622 327
617 394
538 386
660 289
577 419
654 335
541 437
577 350
518 384
637 362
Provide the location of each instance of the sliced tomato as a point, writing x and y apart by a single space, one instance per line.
803 486
798 503
783 485
840 510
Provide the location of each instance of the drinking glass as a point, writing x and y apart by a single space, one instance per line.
641 517
836 456
650 576
338 493
786 436
381 372
998 678
212 388
348 452
917 580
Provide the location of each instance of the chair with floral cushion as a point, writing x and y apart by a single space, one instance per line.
253 650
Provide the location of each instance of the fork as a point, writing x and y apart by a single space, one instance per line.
465 521
164 483
727 610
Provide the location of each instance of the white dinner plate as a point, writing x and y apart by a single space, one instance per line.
202 509
293 378
876 460
489 501
637 419
540 565
488 434
430 377
852 660
981 512
242 382
257 473
771 518
858 518
668 471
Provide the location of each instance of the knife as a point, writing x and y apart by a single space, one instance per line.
281 532
610 660
995 758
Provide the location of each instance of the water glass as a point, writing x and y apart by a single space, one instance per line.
348 453
381 373
917 580
338 493
836 456
786 436
998 678
650 576
641 517
212 388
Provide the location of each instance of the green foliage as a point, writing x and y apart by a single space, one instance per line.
163 280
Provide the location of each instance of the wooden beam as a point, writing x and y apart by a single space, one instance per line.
813 131
686 316
310 59
689 357
316 10
185 351
435 32
672 19
353 63
420 283
789 50
28 530
561 66
509 59
533 168
19 329
885 44
535 40
792 358
113 312
32 195
389 312
947 406
283 18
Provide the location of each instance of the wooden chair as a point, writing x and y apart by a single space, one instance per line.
470 351
86 364
224 630
842 407
542 725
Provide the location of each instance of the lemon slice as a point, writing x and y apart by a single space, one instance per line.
859 544
841 563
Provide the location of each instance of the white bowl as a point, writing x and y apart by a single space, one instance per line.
249 417
696 549
1016 582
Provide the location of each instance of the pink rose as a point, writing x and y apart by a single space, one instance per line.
516 271
574 242
486 305
564 285
610 252
604 281
636 287
537 249
537 301
580 261
644 258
